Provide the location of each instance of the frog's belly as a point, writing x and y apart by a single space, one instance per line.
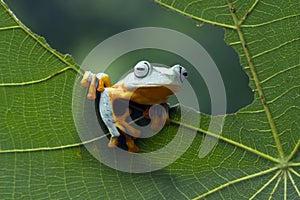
151 95
145 96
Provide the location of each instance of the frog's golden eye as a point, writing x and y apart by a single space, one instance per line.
142 69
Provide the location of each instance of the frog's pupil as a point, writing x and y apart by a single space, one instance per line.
140 68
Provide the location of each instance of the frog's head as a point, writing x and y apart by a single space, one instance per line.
147 75
153 83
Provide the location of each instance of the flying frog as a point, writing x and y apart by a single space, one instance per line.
148 84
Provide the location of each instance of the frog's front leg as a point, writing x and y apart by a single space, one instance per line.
96 82
159 115
106 112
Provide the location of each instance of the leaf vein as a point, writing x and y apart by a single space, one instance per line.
236 181
270 22
293 183
9 28
294 172
248 12
280 72
275 186
195 17
237 144
283 94
275 48
293 153
52 148
35 81
265 185
285 111
251 112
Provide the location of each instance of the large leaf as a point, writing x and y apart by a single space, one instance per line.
257 155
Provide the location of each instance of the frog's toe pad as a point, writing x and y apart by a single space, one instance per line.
85 80
113 142
133 149
158 116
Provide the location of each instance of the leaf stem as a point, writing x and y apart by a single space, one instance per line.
257 83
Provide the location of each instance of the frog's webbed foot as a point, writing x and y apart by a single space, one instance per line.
159 115
96 82
127 130
130 144
125 126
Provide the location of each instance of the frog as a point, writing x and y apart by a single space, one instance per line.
149 84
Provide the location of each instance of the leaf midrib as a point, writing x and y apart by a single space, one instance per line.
256 79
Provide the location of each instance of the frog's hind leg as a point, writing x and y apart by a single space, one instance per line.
127 130
124 126
159 115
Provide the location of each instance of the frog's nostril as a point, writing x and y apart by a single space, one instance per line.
185 74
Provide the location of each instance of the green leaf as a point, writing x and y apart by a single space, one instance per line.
257 156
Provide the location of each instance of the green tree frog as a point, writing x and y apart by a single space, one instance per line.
148 85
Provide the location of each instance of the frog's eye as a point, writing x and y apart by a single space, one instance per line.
142 69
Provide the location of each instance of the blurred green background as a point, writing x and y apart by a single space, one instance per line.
77 26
